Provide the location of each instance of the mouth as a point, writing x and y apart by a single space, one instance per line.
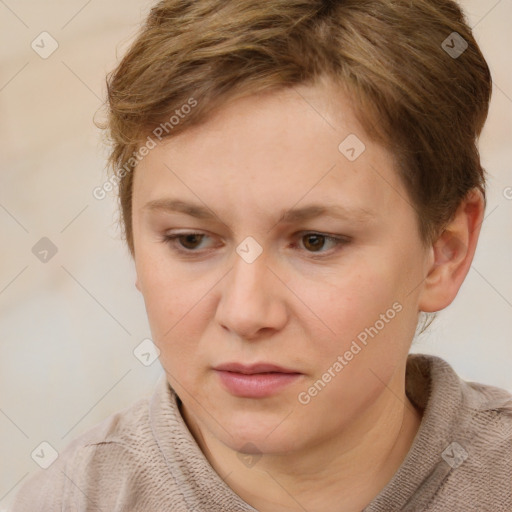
255 381
251 369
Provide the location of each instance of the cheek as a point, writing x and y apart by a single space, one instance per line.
349 300
361 314
170 300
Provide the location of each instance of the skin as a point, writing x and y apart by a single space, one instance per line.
301 303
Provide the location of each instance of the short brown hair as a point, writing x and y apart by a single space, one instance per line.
425 103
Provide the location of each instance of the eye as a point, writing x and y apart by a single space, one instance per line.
314 242
185 242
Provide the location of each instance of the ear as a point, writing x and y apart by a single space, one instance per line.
137 284
452 254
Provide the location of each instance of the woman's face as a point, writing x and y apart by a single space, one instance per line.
297 247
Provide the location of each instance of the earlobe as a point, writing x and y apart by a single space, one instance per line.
452 254
137 285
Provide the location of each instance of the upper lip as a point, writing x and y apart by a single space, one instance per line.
253 368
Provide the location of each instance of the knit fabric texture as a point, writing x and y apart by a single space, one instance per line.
144 458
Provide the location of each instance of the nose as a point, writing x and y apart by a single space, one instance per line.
253 301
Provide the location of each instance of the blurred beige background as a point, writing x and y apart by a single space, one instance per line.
68 326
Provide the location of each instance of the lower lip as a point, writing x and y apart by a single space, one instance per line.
257 385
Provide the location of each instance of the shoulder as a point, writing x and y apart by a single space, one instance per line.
482 418
466 439
487 412
110 448
479 456
480 405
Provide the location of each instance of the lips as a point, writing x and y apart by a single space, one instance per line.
256 380
253 368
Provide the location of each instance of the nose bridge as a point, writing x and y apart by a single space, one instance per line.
248 278
249 300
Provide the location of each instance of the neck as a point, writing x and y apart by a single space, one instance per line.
349 469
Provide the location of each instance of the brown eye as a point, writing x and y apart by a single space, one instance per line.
185 243
314 242
319 244
190 241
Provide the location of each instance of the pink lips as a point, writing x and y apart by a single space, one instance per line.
255 381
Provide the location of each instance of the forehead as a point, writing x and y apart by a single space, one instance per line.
273 150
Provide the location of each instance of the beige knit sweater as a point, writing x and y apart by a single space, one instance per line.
145 459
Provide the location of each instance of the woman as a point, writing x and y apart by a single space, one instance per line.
299 182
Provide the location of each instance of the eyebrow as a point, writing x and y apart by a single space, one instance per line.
358 215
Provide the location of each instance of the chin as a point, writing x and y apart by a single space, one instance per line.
257 435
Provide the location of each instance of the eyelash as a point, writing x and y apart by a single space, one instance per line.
172 240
